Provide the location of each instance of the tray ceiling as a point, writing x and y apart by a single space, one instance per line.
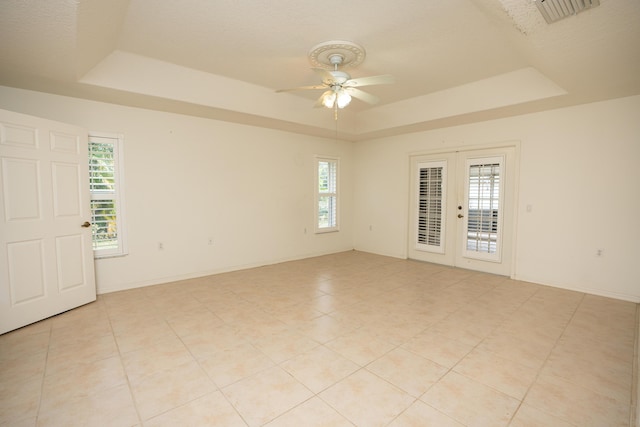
455 61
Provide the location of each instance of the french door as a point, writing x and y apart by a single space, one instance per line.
46 256
462 209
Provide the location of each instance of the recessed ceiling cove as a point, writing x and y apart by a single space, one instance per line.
453 62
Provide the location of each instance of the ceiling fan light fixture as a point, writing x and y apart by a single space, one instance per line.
329 99
343 99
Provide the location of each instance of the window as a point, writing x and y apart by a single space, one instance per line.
327 194
105 185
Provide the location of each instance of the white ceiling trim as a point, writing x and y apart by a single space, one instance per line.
508 89
147 76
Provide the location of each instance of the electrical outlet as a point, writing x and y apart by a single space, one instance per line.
210 241
160 246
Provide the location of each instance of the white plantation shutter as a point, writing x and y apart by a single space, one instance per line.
106 202
326 194
431 202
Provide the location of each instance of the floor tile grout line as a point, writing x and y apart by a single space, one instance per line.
314 395
418 398
361 368
275 365
218 389
521 400
633 416
568 324
452 369
44 374
129 386
539 372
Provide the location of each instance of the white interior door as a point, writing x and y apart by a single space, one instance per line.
462 209
46 256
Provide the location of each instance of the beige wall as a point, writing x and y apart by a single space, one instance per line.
251 190
578 171
188 179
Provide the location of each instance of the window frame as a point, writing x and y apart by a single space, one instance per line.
117 140
319 194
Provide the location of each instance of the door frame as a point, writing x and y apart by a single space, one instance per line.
512 207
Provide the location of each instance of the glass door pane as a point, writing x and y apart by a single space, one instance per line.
483 203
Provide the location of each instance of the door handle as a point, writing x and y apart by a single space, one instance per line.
460 216
86 224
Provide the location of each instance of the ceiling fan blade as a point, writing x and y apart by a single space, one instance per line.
325 75
362 95
314 87
384 79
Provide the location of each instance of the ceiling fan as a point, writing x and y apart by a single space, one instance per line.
339 87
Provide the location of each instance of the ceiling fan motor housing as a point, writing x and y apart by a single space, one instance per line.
339 77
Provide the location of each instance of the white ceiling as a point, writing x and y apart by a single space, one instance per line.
455 61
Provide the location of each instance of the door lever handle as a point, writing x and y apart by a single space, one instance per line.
460 216
86 224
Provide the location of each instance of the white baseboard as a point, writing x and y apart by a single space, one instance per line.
168 279
586 290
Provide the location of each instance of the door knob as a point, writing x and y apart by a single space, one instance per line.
86 224
460 216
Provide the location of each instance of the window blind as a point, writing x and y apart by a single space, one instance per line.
104 198
327 196
483 208
101 167
431 206
104 224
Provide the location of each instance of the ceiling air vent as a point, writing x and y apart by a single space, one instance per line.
555 10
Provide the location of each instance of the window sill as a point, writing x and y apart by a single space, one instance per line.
105 256
327 230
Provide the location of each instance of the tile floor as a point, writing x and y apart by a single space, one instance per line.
340 340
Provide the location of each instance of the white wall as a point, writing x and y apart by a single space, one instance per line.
579 171
188 179
251 189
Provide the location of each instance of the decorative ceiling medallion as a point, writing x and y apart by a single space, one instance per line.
352 54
